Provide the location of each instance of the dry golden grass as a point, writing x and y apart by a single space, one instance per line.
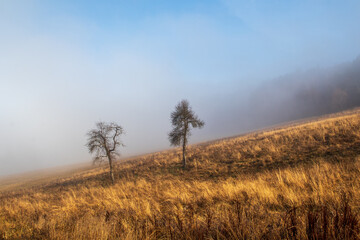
295 182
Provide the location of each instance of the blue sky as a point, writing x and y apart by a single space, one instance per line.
66 64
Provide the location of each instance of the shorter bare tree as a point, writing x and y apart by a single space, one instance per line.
182 119
104 141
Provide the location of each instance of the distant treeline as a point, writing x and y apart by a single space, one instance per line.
306 94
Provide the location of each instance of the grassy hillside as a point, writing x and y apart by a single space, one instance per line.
299 181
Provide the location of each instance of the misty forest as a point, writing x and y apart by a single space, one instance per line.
213 119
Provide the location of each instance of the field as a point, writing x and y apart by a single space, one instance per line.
299 181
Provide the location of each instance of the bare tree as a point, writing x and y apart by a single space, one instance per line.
104 142
182 119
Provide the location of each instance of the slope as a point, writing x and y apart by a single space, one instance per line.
294 181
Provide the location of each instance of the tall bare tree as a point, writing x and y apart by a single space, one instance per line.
104 141
182 119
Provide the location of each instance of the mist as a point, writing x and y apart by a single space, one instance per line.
241 64
298 95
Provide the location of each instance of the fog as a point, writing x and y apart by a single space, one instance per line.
241 64
299 95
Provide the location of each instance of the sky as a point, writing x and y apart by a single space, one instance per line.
65 65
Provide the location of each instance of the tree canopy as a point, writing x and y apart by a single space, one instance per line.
105 141
182 119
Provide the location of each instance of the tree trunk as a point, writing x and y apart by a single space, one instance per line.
184 155
184 144
111 171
